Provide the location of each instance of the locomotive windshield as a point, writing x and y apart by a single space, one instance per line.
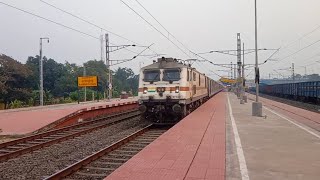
151 76
171 75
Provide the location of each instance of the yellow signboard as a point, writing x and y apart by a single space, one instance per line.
227 80
88 81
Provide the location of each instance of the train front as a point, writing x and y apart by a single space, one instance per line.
162 91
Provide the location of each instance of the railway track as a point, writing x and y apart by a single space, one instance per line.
104 162
314 123
304 105
31 143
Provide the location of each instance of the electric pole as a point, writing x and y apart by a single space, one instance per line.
239 67
41 72
108 68
243 77
293 72
101 46
235 71
231 70
256 106
85 88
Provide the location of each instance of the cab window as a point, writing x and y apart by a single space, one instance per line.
171 75
151 76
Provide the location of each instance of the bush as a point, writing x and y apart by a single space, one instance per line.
16 104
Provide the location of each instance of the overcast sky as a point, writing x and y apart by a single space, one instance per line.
201 25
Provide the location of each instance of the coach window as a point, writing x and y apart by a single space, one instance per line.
171 75
199 80
194 77
188 75
205 82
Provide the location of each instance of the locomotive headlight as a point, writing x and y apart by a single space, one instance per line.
145 90
177 89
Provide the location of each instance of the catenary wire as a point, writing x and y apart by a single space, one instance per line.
95 25
296 52
49 20
154 27
163 26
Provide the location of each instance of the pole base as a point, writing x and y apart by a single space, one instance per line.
257 109
245 99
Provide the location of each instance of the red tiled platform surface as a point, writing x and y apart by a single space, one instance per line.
309 118
194 149
27 120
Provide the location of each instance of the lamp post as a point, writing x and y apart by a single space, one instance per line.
256 106
41 71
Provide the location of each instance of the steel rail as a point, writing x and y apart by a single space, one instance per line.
96 124
78 165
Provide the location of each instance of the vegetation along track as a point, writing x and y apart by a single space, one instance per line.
104 162
31 143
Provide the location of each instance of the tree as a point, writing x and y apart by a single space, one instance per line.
33 64
19 83
313 77
97 68
297 76
67 82
14 84
52 71
125 80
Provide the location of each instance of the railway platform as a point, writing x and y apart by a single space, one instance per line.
15 122
222 140
192 149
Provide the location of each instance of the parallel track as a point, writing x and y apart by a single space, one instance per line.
101 164
31 143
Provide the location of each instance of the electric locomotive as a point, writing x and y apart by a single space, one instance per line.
169 90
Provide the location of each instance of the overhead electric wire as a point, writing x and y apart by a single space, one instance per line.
288 45
164 29
95 25
216 74
298 51
134 57
299 39
62 25
49 20
163 26
87 21
269 58
306 60
220 51
57 23
154 27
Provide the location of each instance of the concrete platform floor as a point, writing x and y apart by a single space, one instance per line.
270 147
15 122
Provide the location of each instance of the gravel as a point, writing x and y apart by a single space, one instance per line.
47 161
